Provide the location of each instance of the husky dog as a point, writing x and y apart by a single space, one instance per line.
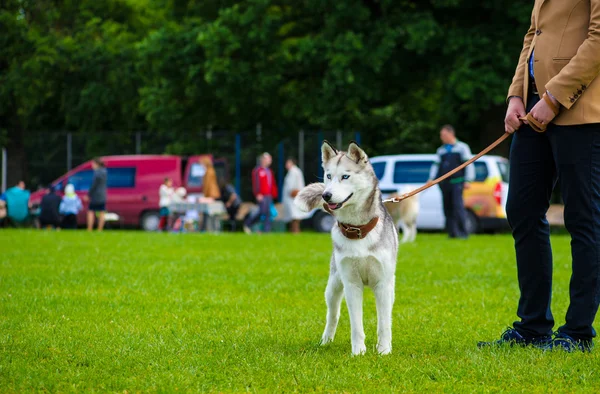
365 243
404 214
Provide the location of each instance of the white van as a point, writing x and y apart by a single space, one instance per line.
485 199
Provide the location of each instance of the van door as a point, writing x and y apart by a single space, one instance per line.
414 174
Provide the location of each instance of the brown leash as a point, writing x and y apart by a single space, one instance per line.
449 174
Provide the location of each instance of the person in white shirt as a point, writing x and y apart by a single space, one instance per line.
292 184
166 192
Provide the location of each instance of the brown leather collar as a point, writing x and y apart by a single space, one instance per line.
355 232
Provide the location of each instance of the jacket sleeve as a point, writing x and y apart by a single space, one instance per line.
94 184
570 83
274 189
517 85
255 182
434 167
469 170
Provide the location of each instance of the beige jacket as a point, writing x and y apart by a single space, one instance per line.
566 37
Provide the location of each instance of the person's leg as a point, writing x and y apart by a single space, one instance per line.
532 179
577 153
460 214
90 220
448 214
252 218
266 210
101 220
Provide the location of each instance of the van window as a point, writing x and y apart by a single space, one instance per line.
82 180
196 176
412 171
379 169
119 177
481 172
503 167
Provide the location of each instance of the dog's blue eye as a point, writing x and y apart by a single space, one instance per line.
345 176
328 176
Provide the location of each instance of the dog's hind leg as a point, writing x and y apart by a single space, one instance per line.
384 299
413 232
333 297
405 232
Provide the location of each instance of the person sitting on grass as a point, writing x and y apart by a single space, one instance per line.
69 207
17 205
49 210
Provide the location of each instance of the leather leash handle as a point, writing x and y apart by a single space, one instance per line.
449 174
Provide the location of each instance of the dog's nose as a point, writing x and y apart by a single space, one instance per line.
327 196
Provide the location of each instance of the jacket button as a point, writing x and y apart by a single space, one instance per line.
579 92
538 32
583 87
572 100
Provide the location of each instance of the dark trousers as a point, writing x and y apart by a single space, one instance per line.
571 155
69 221
454 209
264 210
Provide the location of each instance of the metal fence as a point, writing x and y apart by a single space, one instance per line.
49 155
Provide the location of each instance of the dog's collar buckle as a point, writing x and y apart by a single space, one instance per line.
355 230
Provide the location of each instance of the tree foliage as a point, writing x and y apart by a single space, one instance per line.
393 69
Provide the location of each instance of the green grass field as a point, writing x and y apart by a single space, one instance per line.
147 312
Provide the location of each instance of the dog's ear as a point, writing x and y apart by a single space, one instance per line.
356 154
327 151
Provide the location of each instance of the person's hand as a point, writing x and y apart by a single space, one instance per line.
85 198
542 111
259 197
467 185
516 110
227 204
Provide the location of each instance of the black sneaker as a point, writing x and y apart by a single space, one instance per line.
512 337
569 344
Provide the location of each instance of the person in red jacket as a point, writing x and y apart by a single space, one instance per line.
264 187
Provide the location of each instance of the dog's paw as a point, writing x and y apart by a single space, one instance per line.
359 350
326 339
383 350
310 197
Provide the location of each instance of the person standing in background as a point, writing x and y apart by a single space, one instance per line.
49 209
97 195
210 187
264 188
452 154
165 193
292 184
69 208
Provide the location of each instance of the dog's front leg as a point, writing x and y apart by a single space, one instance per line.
354 300
384 299
333 298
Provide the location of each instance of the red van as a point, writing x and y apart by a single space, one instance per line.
133 183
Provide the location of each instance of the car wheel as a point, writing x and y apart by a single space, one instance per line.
472 223
149 221
323 222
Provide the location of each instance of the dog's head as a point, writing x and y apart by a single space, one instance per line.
348 176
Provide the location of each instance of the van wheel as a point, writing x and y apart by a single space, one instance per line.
149 221
472 223
323 222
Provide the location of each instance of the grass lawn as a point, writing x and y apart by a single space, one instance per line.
147 312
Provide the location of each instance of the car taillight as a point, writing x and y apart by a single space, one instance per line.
498 193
